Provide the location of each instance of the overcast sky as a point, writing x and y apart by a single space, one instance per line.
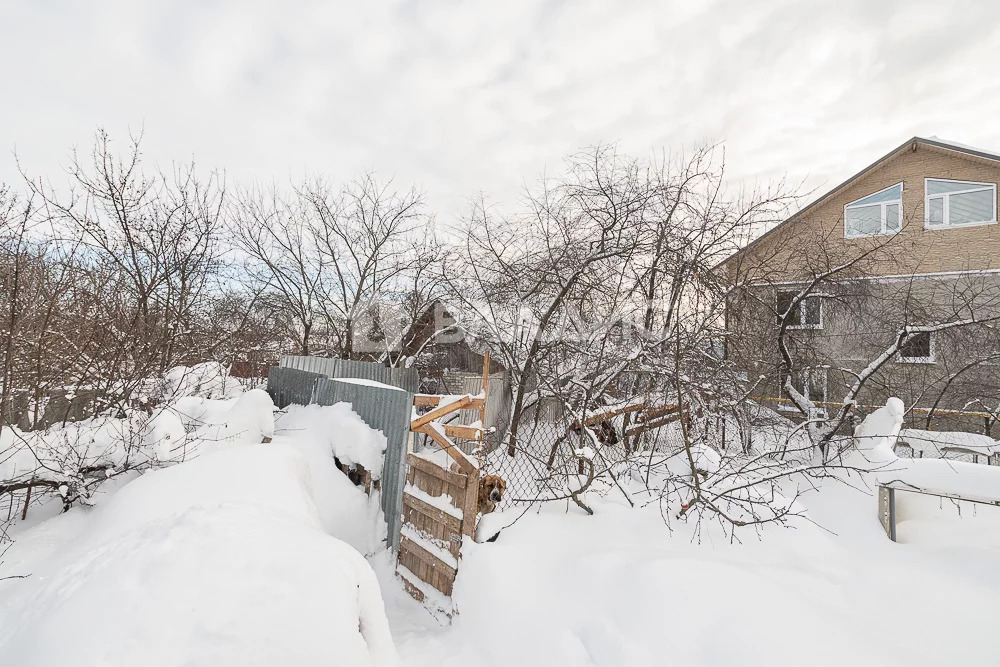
458 97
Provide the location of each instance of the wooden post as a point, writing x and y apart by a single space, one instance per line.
482 411
470 508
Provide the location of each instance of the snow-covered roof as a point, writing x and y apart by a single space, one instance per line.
934 140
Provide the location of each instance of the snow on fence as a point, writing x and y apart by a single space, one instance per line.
381 396
955 445
405 378
387 409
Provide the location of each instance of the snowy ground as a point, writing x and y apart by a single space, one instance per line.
561 588
252 555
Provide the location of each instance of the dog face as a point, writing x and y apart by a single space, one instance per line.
491 490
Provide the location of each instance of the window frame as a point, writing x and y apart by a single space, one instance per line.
884 204
920 360
802 324
945 196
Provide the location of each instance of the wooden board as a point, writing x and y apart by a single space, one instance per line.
463 432
430 400
440 411
434 470
428 567
608 414
449 447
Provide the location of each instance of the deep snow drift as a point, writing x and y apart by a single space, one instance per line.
617 589
228 559
221 560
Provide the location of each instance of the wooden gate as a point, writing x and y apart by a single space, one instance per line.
435 507
440 504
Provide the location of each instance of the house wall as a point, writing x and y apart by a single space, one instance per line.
860 320
866 303
791 249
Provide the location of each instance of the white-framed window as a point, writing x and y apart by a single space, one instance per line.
958 203
807 314
918 349
811 383
877 214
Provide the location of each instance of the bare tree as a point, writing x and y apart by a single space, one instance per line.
284 256
369 235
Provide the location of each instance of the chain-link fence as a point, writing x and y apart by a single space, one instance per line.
551 457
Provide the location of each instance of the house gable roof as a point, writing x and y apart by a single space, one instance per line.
909 144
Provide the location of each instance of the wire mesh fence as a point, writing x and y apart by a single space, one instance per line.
551 456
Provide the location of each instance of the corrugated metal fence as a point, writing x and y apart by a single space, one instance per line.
305 380
288 386
498 405
404 378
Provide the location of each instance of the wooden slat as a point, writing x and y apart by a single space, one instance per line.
449 447
656 423
463 432
656 412
433 469
434 513
410 587
426 556
430 400
439 412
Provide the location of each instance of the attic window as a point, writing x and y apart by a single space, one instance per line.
877 214
959 203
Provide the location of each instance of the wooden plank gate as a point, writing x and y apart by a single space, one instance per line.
440 505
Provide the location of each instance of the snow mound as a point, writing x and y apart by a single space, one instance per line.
491 524
350 438
249 418
876 435
217 561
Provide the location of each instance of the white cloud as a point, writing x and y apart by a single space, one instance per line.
462 97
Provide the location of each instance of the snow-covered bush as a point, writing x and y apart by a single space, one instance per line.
72 460
207 380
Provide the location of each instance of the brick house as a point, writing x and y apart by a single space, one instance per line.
911 239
